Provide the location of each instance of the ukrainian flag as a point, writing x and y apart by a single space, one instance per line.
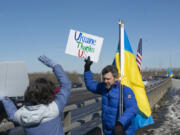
170 73
130 76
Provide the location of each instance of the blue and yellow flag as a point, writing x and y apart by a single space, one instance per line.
130 76
170 73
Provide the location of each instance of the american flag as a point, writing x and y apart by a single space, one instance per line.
139 55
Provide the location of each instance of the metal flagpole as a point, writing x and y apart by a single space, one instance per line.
121 59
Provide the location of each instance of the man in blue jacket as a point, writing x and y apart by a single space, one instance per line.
42 111
109 89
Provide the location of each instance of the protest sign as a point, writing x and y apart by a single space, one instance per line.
13 79
82 45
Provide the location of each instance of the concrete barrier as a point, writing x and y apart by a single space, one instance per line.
156 93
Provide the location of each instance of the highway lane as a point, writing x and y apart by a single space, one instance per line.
80 96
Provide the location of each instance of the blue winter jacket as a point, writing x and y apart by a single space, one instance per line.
42 119
110 105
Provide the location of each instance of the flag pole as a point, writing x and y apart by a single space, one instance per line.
121 46
121 59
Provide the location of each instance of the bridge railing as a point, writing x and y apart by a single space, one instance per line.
68 126
154 93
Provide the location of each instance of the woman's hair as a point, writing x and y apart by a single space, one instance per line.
40 91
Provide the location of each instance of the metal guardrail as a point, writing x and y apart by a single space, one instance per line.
68 126
154 93
158 91
78 89
155 85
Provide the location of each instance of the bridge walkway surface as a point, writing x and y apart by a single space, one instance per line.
166 114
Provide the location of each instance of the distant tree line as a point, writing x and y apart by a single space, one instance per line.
76 77
160 72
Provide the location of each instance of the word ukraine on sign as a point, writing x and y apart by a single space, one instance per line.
82 45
